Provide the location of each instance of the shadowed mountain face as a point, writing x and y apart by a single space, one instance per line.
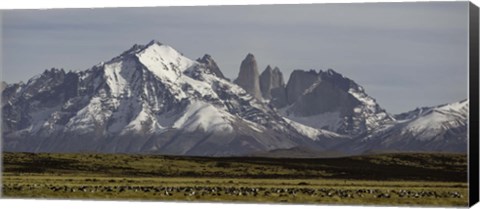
328 100
299 81
152 99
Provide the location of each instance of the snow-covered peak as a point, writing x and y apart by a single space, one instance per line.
162 60
441 128
161 51
440 118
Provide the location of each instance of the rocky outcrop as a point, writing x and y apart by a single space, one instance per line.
211 65
248 77
266 82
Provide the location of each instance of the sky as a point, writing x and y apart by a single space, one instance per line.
405 55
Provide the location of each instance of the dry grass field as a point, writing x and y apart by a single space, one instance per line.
384 179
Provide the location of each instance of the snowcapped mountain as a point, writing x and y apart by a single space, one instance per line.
330 101
150 99
440 128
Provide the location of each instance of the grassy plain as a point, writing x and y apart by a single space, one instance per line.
385 179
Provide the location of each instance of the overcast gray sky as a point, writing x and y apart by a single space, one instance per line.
405 54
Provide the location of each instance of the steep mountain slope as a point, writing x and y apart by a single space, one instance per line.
150 99
330 101
441 128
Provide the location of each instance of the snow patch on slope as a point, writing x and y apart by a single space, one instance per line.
139 124
114 76
310 132
204 116
87 119
369 109
329 120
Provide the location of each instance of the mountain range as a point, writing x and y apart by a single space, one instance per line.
152 99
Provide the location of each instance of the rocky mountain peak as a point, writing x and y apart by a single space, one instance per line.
206 58
136 48
154 42
338 80
250 57
268 69
276 70
211 65
270 81
248 77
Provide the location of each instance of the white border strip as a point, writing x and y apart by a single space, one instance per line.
48 4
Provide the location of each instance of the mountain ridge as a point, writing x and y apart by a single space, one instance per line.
149 99
152 99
